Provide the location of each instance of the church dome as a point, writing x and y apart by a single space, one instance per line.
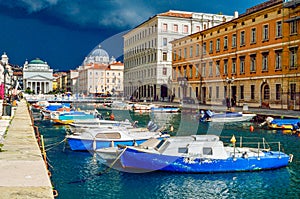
97 55
98 52
37 61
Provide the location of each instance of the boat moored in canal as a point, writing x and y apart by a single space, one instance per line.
94 139
201 154
210 116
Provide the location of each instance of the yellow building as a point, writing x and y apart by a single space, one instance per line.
251 59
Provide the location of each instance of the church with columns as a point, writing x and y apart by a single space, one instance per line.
37 76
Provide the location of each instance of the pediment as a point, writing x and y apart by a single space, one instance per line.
39 77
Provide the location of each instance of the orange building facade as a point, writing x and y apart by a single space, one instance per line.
251 59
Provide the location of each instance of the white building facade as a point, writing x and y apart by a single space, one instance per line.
6 76
37 76
100 74
148 51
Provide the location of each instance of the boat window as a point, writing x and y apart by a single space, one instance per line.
207 151
160 143
109 135
182 150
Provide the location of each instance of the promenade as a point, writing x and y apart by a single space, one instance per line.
23 173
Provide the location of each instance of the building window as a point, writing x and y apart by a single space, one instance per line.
217 92
278 58
184 71
197 28
265 32
165 41
165 27
242 92
185 29
293 27
184 53
197 70
225 43
242 65
233 41
209 92
293 57
242 41
293 91
218 45
265 61
203 70
253 36
190 71
191 51
174 55
217 68
179 54
278 91
175 28
225 67
204 48
252 90
210 74
278 29
253 63
164 72
197 49
165 56
233 68
210 46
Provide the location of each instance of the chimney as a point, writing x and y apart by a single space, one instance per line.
236 14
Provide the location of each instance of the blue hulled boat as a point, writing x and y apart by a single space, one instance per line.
165 109
282 123
199 154
69 117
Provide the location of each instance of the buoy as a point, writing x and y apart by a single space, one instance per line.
112 117
251 128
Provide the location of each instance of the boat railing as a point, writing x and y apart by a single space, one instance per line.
257 145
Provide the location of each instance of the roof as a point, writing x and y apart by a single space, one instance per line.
37 61
171 13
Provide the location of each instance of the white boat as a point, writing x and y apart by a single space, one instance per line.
94 139
209 116
201 154
97 122
141 108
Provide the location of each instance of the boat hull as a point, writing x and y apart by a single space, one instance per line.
149 161
77 144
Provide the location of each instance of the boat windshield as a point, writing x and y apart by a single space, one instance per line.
115 135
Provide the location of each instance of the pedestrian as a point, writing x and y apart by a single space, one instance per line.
227 102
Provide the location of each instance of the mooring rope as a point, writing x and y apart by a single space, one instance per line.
54 145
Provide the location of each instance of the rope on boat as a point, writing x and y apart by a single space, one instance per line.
113 163
102 172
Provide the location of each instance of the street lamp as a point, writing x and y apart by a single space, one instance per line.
229 81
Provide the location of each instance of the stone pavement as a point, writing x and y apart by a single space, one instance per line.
23 173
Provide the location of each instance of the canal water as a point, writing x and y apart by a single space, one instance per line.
74 174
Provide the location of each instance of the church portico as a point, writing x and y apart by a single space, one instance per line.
38 76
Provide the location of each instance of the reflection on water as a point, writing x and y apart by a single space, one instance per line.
68 166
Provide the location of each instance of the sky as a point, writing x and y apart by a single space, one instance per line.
63 32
